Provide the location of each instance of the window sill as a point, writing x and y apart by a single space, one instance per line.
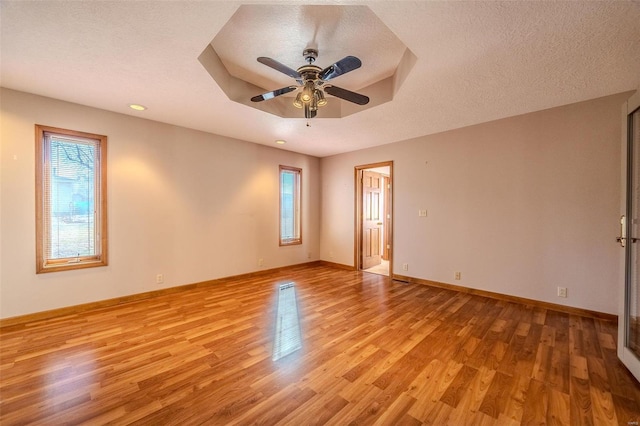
69 266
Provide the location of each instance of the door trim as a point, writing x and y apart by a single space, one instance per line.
627 357
357 242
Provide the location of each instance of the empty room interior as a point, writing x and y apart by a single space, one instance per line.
197 226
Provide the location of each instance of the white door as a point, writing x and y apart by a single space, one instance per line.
629 307
371 218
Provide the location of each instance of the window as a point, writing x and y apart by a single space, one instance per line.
290 226
71 200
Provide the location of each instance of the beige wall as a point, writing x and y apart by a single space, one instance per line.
519 206
190 205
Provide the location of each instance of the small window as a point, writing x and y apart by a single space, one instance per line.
290 224
71 200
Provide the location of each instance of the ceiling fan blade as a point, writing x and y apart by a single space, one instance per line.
347 95
279 67
273 94
343 66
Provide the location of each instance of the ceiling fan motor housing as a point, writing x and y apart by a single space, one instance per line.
309 72
310 55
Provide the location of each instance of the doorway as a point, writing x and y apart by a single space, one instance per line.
374 218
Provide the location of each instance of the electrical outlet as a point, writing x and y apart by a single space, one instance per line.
159 279
422 213
330 255
562 292
405 266
457 275
261 262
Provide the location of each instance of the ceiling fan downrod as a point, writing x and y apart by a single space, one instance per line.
310 55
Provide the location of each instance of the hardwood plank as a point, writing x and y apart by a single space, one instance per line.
579 367
374 351
536 403
590 341
397 411
559 411
495 400
627 410
622 382
429 386
580 411
272 410
458 386
317 411
598 377
514 407
467 411
362 408
604 412
512 355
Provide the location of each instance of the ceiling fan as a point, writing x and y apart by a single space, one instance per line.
311 78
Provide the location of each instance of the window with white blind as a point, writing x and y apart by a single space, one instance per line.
71 200
290 194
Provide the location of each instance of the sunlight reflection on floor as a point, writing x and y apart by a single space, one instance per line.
287 337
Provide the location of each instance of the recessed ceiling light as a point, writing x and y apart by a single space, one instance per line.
281 142
137 107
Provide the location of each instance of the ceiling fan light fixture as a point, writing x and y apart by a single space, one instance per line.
298 102
319 98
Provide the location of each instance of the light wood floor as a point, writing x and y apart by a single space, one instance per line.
373 352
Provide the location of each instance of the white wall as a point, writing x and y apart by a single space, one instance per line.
190 205
519 206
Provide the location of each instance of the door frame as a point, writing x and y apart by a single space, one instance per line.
357 243
628 358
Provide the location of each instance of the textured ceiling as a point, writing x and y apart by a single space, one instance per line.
475 62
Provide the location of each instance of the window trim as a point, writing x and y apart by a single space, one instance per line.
44 265
298 206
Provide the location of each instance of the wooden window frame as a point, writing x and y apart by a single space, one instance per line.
44 264
297 206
